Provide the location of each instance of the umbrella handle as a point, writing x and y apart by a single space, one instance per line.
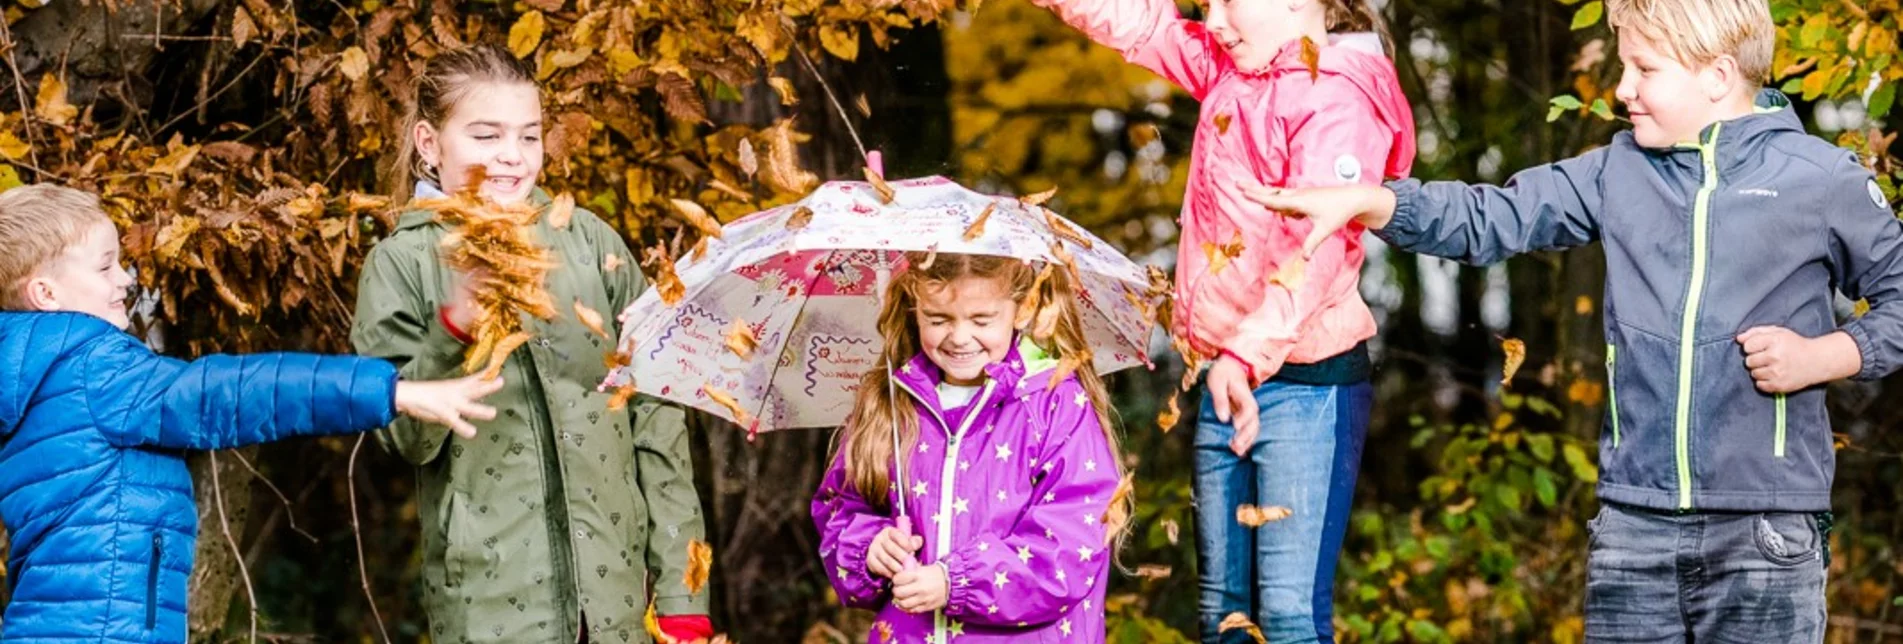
876 163
905 529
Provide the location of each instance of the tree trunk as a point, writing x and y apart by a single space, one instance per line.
215 575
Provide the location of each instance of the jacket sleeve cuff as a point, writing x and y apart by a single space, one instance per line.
965 581
695 604
686 628
852 562
442 317
1874 367
1403 226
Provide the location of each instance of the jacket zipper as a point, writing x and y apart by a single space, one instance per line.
1701 226
1612 390
948 478
1780 425
543 426
152 582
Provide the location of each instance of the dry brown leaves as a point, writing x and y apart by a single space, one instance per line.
1255 517
700 563
495 246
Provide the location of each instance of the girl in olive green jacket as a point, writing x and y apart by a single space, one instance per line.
564 516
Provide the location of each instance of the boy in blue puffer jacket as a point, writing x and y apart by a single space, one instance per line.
93 482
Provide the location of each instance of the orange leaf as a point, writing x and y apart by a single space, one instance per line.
1038 199
884 629
741 339
591 319
1065 231
1219 256
666 282
1516 356
1311 58
800 219
865 108
700 562
1238 620
1153 571
700 249
1222 123
1255 517
622 395
500 354
1168 419
724 399
613 360
879 185
977 227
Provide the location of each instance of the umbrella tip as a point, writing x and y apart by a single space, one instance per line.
876 163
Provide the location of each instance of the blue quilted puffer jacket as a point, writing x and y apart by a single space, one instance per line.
93 485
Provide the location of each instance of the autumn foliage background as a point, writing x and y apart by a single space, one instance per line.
239 145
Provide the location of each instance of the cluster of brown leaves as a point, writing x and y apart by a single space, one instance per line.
495 247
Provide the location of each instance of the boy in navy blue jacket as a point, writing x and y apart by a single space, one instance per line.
1726 228
93 484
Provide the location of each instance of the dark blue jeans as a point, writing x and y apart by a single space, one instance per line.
1660 576
1306 455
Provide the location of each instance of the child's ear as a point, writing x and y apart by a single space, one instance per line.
40 295
1720 78
423 136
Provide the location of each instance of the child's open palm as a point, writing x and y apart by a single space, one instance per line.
448 402
1330 208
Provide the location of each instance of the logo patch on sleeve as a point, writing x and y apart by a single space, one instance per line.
1876 195
1348 168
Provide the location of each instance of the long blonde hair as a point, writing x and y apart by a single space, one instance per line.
1047 313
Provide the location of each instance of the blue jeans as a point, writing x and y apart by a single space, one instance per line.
1660 576
1282 575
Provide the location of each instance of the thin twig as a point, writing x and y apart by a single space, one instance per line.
208 99
19 86
290 517
843 116
218 497
356 532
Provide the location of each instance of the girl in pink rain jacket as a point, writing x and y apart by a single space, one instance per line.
1288 394
1009 474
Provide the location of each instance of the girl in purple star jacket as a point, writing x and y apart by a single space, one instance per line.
1010 464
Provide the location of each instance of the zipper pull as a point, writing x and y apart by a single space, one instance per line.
550 346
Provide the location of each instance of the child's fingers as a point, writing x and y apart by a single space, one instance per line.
1316 237
480 388
461 428
477 411
1755 360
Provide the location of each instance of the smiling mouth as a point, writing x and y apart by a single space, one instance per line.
1230 45
963 356
503 183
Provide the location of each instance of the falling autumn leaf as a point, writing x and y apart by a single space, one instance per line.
700 562
666 282
1290 273
879 185
700 249
1516 356
724 399
884 629
1238 620
622 395
977 227
1171 531
931 258
561 210
1255 517
500 354
1168 418
741 340
591 319
613 360
749 161
1117 516
802 216
1219 256
865 108
1222 123
1582 305
1065 231
611 263
1311 58
1153 571
784 88
697 217
1038 199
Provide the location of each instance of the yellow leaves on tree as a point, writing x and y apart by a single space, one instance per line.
1255 517
526 34
51 103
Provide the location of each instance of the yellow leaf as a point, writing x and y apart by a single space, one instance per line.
9 178
1153 571
1255 517
666 282
1238 620
501 353
561 210
1516 355
526 34
1222 123
1219 256
610 263
741 339
177 160
354 64
878 184
749 160
977 227
700 562
840 39
591 319
171 239
12 147
243 28
51 103
785 89
801 217
724 399
622 61
1291 273
1861 308
567 58
697 217
619 400
1583 305
1038 199
1311 58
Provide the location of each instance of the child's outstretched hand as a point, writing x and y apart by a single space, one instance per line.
1229 390
890 551
1330 208
922 589
1781 361
448 402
